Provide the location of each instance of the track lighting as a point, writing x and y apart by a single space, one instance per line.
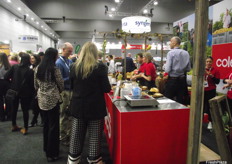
156 2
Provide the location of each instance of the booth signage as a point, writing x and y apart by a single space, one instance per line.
28 39
136 24
5 48
133 46
222 56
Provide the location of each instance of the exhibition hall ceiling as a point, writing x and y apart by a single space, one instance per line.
85 16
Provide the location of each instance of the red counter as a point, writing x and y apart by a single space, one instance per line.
148 135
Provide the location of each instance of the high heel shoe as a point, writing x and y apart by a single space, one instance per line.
15 128
32 125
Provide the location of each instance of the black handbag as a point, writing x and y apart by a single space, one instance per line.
11 94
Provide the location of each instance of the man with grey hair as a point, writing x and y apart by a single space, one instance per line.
177 65
64 63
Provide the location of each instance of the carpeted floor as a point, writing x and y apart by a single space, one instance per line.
16 148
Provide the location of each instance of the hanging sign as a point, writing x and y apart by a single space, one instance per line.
28 39
136 24
130 46
77 48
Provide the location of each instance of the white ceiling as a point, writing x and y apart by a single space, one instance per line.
75 17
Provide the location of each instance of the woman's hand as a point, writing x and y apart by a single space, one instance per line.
133 77
228 81
209 73
142 75
225 86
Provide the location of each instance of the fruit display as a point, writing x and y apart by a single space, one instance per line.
148 47
144 88
157 95
156 90
222 30
129 74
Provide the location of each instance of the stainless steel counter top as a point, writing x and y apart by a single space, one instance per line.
164 104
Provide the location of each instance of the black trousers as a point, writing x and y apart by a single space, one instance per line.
176 89
36 111
25 105
51 132
230 105
207 96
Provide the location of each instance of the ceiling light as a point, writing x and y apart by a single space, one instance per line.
9 1
19 8
37 22
156 3
27 15
45 29
110 15
32 19
117 1
113 9
145 11
6 41
42 26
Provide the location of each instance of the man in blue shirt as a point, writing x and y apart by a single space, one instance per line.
63 63
177 65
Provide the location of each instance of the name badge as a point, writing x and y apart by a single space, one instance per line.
206 84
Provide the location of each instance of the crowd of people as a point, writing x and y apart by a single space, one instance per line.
69 94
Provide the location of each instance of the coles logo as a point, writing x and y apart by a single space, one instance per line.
226 62
222 55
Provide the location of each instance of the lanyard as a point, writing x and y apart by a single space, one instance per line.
67 65
230 76
207 75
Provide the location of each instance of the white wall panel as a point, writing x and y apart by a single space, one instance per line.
11 29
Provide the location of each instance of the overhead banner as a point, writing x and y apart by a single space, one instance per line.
136 24
222 56
222 22
28 39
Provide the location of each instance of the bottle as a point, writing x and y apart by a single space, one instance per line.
119 76
136 90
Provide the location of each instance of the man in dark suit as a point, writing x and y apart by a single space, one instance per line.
130 66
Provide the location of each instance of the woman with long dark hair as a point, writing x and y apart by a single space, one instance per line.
21 80
49 83
35 61
212 77
4 67
89 82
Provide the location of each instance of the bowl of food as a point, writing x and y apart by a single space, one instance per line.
157 95
155 90
144 88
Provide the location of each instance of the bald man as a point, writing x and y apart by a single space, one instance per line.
177 65
64 63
